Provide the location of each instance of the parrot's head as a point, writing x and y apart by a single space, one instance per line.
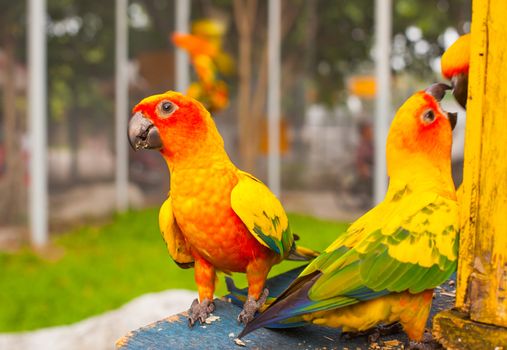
174 124
455 64
421 133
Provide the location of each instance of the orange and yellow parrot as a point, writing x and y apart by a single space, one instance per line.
455 64
204 47
384 268
217 217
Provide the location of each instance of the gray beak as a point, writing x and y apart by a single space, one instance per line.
143 134
438 90
460 92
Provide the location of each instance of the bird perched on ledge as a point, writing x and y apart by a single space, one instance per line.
384 268
217 217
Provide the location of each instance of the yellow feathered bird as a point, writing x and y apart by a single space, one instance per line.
217 217
204 47
384 269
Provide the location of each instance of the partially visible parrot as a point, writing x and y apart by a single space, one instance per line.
204 46
384 268
217 217
455 64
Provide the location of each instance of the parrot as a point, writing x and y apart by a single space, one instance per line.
216 217
204 46
455 63
384 268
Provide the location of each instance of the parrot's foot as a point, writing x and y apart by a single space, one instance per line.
251 306
200 311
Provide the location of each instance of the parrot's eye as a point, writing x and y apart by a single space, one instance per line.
428 117
166 108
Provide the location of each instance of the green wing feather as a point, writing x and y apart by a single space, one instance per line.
408 245
173 238
262 213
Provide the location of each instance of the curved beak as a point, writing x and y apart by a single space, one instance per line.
143 134
460 89
438 90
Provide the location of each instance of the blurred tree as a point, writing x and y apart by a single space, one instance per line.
252 57
245 14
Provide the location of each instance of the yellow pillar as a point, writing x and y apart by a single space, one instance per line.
481 301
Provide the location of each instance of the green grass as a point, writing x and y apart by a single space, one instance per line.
100 268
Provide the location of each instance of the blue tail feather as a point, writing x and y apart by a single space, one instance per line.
288 306
276 285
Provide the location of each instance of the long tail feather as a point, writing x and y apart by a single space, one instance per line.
293 299
276 286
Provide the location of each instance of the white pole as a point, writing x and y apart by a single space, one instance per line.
383 24
37 100
181 66
121 105
274 17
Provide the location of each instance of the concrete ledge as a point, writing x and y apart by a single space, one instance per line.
455 331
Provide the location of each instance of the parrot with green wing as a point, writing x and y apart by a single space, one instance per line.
384 268
217 217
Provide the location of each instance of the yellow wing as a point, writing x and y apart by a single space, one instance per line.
262 213
410 223
173 238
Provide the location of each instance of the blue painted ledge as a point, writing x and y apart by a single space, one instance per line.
173 333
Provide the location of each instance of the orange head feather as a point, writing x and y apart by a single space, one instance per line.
456 59
184 126
420 139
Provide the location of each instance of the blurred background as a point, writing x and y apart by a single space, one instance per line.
327 128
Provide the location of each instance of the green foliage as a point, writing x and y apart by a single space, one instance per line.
95 269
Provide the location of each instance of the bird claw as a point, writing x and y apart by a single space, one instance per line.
200 311
251 306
